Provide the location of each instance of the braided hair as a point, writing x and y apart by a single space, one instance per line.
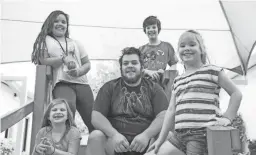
40 44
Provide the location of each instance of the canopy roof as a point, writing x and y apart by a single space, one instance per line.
106 27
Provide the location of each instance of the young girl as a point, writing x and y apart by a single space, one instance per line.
157 54
70 64
58 135
195 101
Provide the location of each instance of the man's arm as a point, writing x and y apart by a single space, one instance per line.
156 125
160 104
99 119
100 122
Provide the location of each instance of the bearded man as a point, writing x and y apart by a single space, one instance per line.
128 111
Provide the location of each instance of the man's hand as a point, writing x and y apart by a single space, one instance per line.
139 143
120 143
73 72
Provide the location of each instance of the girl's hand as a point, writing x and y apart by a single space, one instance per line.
71 65
67 59
73 72
222 121
153 74
160 71
155 147
41 147
49 148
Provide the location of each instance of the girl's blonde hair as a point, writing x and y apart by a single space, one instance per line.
200 41
70 120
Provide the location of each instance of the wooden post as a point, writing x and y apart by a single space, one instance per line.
40 100
223 140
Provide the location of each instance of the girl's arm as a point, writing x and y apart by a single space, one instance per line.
51 61
55 62
168 123
38 143
234 93
86 64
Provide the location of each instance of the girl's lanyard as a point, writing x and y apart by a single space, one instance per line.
65 52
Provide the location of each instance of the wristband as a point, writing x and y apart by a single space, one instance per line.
228 119
53 151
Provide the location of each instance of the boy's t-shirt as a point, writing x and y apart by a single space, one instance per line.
130 110
157 57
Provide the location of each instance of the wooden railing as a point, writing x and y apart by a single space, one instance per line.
15 116
42 89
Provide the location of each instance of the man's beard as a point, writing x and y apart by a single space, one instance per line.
131 80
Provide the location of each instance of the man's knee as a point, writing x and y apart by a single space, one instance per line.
97 135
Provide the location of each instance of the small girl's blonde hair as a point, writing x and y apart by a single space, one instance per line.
200 41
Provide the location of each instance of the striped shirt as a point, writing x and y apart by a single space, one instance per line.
197 98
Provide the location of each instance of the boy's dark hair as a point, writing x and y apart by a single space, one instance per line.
129 51
151 20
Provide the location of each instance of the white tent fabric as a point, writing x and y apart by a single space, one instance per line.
106 27
240 17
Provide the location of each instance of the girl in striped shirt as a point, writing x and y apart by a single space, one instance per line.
195 101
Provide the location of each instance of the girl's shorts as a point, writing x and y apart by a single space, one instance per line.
190 141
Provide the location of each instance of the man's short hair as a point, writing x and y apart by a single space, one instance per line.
151 20
130 51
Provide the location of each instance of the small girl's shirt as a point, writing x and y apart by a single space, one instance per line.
68 140
197 98
157 57
55 50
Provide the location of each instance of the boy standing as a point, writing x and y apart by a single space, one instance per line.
157 54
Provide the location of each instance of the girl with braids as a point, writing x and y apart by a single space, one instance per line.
195 101
69 62
58 135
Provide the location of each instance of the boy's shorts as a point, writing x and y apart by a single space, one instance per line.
190 141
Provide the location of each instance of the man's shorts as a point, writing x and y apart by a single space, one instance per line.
190 141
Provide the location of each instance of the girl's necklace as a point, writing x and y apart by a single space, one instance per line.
65 52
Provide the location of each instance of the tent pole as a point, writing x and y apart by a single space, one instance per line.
233 37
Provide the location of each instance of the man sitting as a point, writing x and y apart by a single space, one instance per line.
128 111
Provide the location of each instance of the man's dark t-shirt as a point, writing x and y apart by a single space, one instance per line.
130 110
